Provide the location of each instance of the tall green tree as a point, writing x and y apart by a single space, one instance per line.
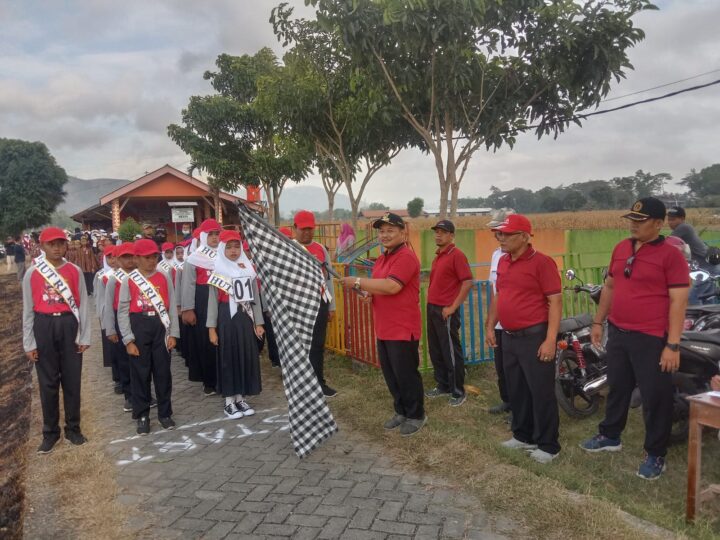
325 97
237 143
472 73
31 185
704 183
648 184
415 207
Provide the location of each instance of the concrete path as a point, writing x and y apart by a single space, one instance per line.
218 478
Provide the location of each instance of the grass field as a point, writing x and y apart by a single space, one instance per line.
576 496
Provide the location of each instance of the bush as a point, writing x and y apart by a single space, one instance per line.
129 229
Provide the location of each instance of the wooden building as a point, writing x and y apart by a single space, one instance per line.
166 198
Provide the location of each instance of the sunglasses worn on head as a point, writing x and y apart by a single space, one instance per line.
628 266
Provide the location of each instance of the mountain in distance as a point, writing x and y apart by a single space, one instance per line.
311 198
82 194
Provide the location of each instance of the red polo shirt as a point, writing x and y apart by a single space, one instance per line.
449 269
523 286
46 299
641 302
397 316
139 302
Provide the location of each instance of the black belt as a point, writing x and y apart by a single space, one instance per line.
149 314
529 331
622 330
57 314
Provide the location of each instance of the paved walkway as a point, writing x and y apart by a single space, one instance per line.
214 477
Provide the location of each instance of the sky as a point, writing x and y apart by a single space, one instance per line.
98 81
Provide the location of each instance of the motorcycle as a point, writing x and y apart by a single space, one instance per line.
703 316
580 366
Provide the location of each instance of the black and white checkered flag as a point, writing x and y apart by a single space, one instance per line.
291 281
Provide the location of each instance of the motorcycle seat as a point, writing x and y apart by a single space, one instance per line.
704 337
571 324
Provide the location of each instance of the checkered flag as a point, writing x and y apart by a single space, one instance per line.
292 281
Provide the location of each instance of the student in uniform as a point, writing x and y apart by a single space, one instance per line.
166 260
178 261
125 259
56 331
198 266
235 324
99 284
148 321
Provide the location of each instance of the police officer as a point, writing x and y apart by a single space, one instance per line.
644 301
528 305
450 282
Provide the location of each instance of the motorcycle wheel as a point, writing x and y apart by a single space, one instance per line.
575 403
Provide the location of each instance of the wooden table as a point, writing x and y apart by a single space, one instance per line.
704 411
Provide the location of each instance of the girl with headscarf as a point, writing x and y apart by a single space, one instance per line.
177 263
101 279
234 322
198 266
345 240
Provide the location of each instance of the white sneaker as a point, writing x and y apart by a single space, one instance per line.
231 411
244 407
541 456
514 444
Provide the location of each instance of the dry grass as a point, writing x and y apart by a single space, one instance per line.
577 496
73 490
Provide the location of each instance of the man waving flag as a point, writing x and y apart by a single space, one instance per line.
291 282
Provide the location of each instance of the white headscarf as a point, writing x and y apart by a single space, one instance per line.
107 269
198 259
175 261
230 270
192 247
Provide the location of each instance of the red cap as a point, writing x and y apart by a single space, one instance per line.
145 247
287 231
514 223
227 236
246 246
109 250
168 246
196 233
304 219
185 243
52 233
210 225
126 248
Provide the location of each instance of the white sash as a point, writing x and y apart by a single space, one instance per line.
119 274
148 291
239 290
221 282
165 266
55 280
209 252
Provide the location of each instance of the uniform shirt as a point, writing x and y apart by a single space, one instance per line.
397 316
523 286
687 234
449 269
133 301
40 297
216 297
321 254
642 302
192 276
494 261
112 299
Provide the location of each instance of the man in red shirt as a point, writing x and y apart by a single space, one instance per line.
528 305
450 282
644 300
304 232
394 291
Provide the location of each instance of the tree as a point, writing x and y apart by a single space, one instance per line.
235 141
31 185
469 74
326 98
60 219
377 206
574 200
602 196
415 207
647 184
704 183
552 203
129 229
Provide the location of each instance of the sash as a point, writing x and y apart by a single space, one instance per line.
221 282
149 292
165 266
119 274
209 252
238 289
56 281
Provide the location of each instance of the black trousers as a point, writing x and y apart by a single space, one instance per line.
499 368
399 361
59 364
446 350
273 351
634 358
531 386
317 346
122 360
89 277
154 361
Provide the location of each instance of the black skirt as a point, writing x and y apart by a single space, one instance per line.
238 355
202 361
106 353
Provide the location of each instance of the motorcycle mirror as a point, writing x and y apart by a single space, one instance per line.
570 274
699 275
